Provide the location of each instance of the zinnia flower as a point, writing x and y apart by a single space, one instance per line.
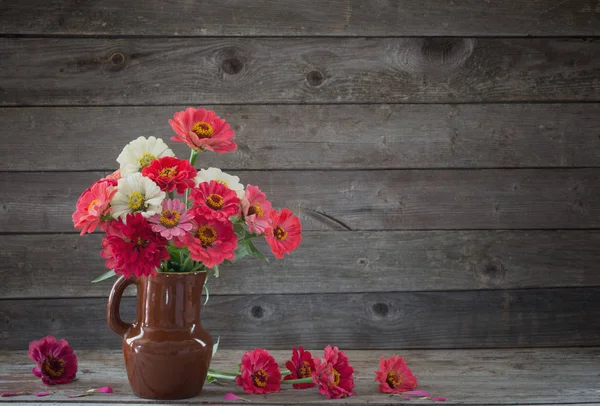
301 366
284 232
216 200
394 376
93 207
140 153
333 374
133 248
259 372
202 130
116 175
173 221
137 194
211 241
256 210
232 182
170 173
56 362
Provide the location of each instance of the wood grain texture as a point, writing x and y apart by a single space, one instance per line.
362 262
464 319
474 377
301 18
318 136
357 200
91 71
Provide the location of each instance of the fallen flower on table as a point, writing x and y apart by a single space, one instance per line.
42 394
395 376
300 366
233 396
333 374
56 362
259 372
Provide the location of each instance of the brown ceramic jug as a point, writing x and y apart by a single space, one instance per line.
167 353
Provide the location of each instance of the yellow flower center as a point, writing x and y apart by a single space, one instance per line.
202 129
222 182
91 204
304 371
146 159
280 233
215 201
256 210
136 201
336 378
394 379
168 172
169 218
207 234
53 367
260 378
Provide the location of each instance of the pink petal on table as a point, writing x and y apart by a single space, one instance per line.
7 394
232 396
416 392
104 389
438 399
39 395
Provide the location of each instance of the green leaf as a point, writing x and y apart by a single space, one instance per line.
104 276
239 229
241 251
255 252
216 346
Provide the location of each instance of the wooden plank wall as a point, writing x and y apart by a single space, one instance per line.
444 158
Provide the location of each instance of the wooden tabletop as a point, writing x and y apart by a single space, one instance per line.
491 377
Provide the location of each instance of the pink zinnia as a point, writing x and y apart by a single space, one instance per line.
170 173
203 130
173 221
211 241
56 362
133 248
93 206
395 376
256 210
300 366
116 175
259 372
333 374
284 232
214 199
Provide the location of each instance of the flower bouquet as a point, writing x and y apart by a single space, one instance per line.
167 225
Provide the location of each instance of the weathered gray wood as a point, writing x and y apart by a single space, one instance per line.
85 71
329 262
463 319
318 136
357 200
474 377
306 17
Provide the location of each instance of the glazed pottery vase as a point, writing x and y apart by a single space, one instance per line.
167 352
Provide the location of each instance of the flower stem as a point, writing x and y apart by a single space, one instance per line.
301 380
222 376
193 157
211 371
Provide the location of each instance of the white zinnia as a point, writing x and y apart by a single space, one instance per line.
137 193
140 153
232 182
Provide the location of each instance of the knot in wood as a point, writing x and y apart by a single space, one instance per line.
232 66
315 78
117 59
257 312
381 309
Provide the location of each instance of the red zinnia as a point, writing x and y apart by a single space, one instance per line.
394 376
169 173
301 366
333 374
210 241
259 372
56 362
214 199
202 129
133 247
284 234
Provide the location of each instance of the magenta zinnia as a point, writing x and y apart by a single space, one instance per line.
214 199
300 366
93 206
202 130
56 362
256 210
395 376
173 220
333 374
284 232
133 248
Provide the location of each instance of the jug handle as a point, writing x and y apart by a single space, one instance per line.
114 303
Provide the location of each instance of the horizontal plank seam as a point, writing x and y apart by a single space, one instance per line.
350 103
458 291
308 36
